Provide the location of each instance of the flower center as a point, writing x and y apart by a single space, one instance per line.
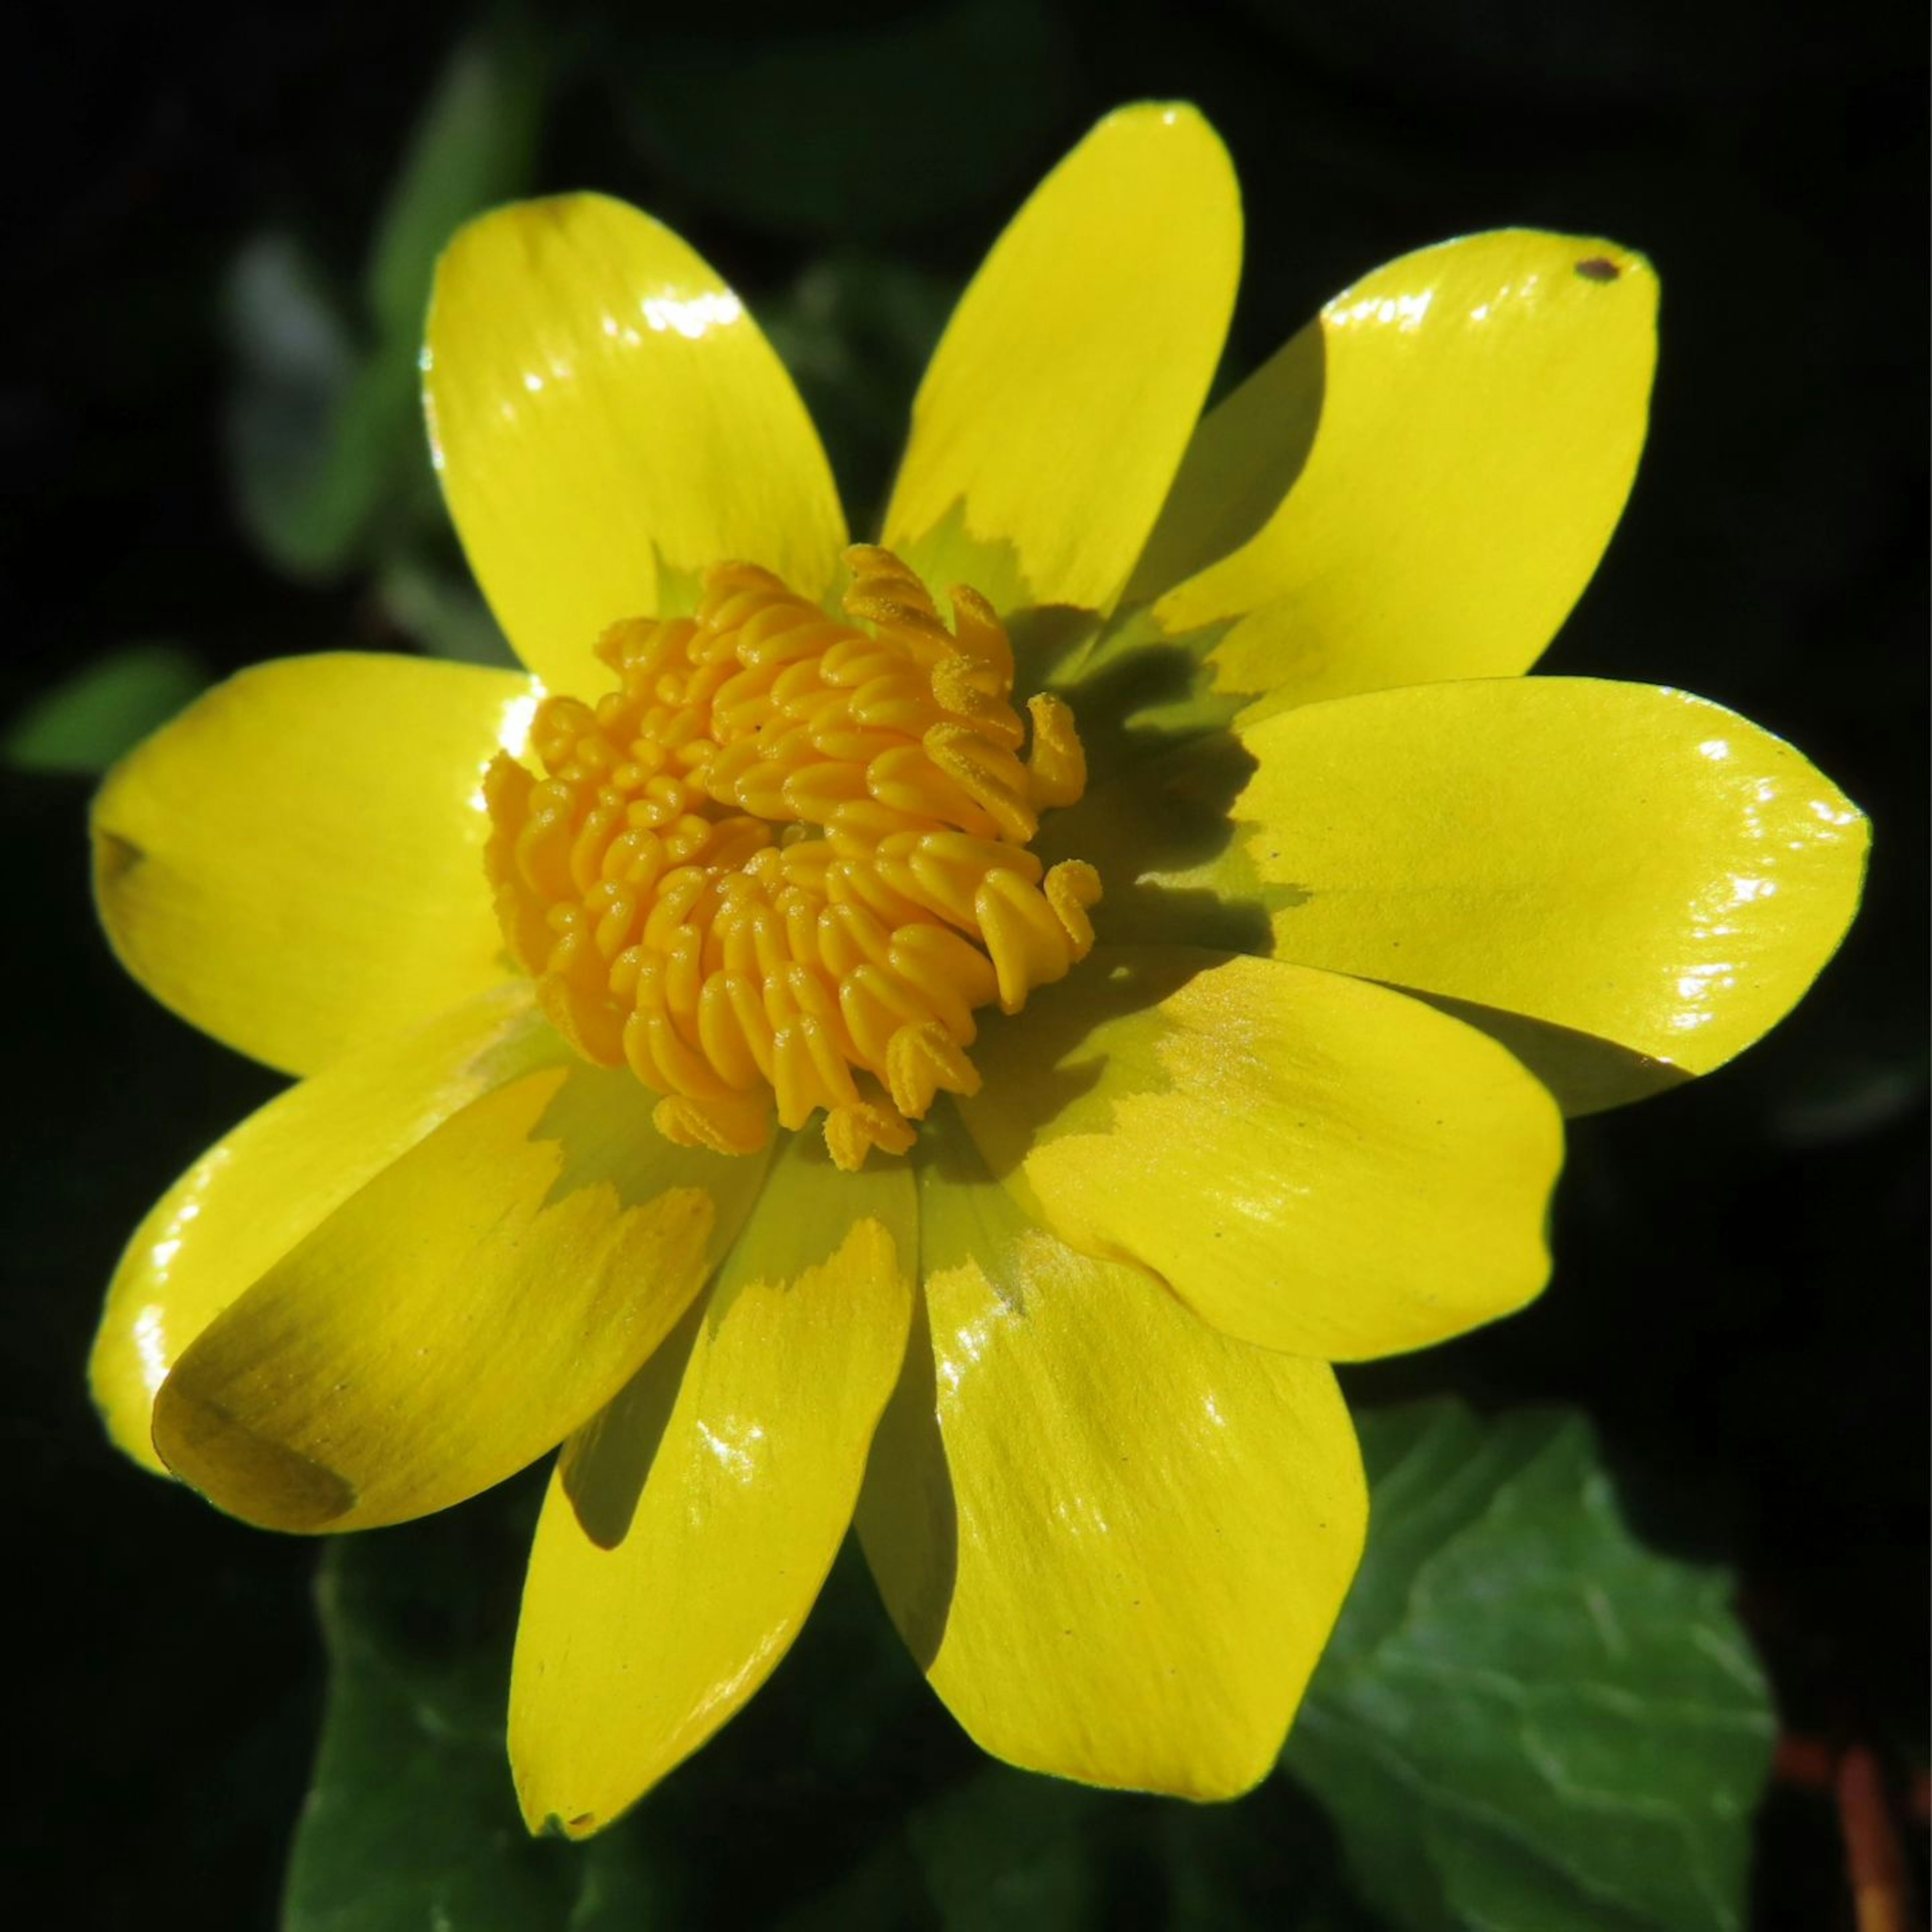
781 865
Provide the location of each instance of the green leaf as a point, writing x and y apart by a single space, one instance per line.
441 611
412 1821
856 331
856 131
475 146
104 709
319 438
326 429
1000 1848
409 1821
1526 1720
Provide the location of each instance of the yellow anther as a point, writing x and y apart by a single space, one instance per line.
782 865
725 1126
852 1132
1030 944
920 1060
982 638
968 690
1070 888
1057 771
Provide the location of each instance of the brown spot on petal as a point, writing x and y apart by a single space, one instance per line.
114 857
1598 268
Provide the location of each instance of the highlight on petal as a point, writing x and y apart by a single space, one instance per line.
1116 1539
1311 1163
1419 484
295 864
1047 430
260 1190
607 419
688 1529
1626 862
481 1298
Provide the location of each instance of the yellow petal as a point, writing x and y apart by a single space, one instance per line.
688 1529
1047 430
1419 484
255 1194
607 419
1311 1163
1116 1539
296 863
1628 862
481 1298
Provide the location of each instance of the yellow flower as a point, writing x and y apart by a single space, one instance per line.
1065 1360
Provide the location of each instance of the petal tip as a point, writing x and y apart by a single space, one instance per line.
1172 120
247 1475
542 1819
1157 113
556 1798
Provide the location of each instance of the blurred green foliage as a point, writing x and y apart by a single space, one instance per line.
855 330
104 709
859 130
325 432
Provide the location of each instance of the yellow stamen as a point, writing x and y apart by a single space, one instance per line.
781 865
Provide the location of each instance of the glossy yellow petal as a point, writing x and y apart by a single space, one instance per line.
482 1297
1419 484
1634 864
1116 1539
296 863
688 1529
257 1193
1311 1163
607 419
1046 432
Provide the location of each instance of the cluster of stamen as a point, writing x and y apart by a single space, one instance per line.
780 866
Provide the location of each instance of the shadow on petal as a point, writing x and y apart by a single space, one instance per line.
603 1467
908 1448
1587 1074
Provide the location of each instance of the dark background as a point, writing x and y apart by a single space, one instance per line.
1740 1293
